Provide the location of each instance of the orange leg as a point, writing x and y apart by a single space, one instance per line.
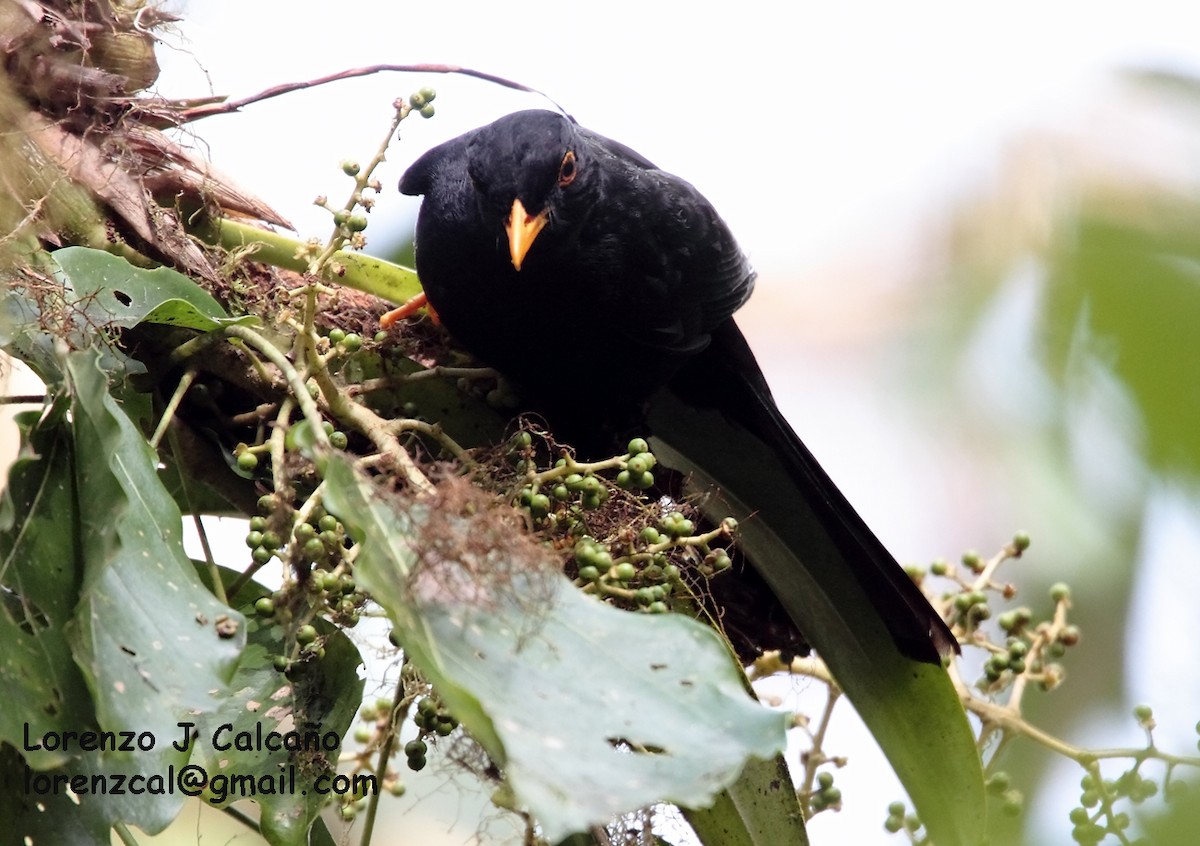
411 307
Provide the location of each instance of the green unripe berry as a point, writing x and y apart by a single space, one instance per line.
1020 542
657 607
589 573
625 571
940 567
254 539
264 606
637 446
650 535
980 612
417 99
314 549
258 523
590 502
306 634
330 539
637 465
1143 713
428 93
261 555
539 505
1060 591
353 341
247 461
339 440
336 335
893 825
896 809
997 782
1014 803
427 111
304 531
267 503
560 493
350 168
824 779
327 523
415 748
624 480
416 763
644 481
381 336
280 663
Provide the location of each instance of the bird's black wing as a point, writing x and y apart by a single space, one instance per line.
685 242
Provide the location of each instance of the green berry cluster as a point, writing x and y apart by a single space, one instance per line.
1012 801
343 341
1030 649
825 795
898 820
621 543
431 717
415 751
422 101
1095 818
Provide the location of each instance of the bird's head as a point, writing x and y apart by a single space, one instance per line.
529 175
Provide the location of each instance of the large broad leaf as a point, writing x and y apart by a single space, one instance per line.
910 707
318 700
141 606
39 585
591 711
112 292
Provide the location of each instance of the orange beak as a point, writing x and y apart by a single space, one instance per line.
522 228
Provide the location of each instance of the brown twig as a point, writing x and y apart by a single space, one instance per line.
228 106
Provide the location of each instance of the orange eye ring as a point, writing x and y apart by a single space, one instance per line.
567 170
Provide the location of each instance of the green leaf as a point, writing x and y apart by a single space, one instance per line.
110 291
141 605
591 711
40 575
319 696
30 816
1133 287
759 809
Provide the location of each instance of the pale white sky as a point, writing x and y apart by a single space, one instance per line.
801 121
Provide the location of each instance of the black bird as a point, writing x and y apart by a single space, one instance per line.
605 288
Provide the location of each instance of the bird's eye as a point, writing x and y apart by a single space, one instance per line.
566 170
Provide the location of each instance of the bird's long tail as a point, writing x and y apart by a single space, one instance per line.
838 583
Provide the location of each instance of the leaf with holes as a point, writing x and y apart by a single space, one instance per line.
110 292
591 711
